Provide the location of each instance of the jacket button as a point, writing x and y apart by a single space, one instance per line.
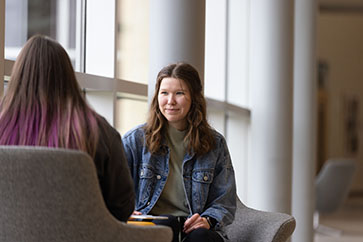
148 203
141 173
205 178
158 177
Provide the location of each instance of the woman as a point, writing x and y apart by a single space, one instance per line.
43 106
181 167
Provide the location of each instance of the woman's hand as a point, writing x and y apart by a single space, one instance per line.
195 222
134 213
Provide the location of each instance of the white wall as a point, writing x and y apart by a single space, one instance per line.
340 44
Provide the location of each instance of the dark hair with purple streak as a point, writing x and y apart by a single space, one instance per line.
43 104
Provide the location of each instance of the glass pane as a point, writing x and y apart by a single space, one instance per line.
130 111
215 50
54 18
216 119
6 81
132 40
102 102
237 136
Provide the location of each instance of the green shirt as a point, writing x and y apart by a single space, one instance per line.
172 199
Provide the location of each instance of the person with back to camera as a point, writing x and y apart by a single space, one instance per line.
181 167
43 106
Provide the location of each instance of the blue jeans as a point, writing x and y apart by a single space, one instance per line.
197 235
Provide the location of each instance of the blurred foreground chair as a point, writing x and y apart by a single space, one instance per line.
51 195
252 225
332 187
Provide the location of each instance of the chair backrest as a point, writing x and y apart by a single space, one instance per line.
333 183
53 195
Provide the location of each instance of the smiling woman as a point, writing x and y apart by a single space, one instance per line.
177 156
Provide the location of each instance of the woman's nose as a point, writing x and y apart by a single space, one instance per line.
171 99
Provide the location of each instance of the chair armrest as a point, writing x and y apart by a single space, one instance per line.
252 225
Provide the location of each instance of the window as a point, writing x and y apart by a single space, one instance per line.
113 48
132 60
55 18
227 76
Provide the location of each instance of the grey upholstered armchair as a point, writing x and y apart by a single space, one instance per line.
252 225
332 186
53 195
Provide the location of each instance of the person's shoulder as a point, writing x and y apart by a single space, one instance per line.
220 140
217 136
104 125
106 131
137 131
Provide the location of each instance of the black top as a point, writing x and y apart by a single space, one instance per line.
113 172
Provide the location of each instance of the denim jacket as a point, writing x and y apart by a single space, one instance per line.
209 181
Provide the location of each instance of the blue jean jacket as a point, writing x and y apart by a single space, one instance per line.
209 180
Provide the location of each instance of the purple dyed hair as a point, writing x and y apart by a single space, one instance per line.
43 105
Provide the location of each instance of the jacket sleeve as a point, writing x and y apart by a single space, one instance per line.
130 155
221 203
133 157
118 188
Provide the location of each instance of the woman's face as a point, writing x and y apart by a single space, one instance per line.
174 101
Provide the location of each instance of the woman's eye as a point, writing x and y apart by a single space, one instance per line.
180 93
163 93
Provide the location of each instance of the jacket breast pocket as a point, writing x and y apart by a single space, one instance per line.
203 176
201 182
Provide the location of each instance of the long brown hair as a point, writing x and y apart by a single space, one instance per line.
43 105
199 135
